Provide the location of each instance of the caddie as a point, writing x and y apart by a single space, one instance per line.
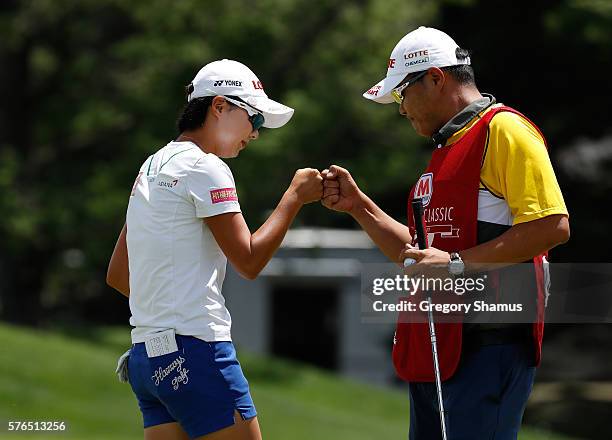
490 196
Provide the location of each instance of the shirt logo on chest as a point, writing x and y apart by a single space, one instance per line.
424 188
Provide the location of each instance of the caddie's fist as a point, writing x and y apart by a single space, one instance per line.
340 190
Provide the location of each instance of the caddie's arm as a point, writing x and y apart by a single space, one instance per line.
118 273
341 193
520 243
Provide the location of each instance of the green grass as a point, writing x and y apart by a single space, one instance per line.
70 377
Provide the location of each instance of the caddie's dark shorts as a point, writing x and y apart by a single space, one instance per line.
484 400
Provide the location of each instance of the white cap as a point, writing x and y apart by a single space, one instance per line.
419 50
231 78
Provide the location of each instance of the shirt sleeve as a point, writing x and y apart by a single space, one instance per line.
211 187
517 168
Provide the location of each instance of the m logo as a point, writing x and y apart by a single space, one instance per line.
424 188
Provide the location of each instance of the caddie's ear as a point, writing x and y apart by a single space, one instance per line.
437 76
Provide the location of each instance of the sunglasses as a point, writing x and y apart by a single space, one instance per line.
396 93
256 119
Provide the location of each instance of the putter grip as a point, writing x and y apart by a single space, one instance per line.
419 227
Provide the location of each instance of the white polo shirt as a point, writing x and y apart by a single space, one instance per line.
176 266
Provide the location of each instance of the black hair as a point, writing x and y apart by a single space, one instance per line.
194 113
463 73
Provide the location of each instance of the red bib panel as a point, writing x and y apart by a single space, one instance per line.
449 189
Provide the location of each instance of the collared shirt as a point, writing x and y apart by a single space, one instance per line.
176 266
517 180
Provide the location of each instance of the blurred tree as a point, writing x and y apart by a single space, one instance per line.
550 59
91 87
544 53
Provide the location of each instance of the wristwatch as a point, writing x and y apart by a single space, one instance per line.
456 266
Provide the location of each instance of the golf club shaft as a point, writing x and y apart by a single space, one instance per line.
417 210
436 362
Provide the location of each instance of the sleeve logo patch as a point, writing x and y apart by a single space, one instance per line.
223 195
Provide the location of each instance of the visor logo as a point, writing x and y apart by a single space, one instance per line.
373 91
418 53
227 83
416 57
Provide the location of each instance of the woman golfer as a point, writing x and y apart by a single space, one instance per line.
183 224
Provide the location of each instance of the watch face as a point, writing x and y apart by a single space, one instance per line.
456 267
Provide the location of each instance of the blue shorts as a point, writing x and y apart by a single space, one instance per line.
200 386
485 398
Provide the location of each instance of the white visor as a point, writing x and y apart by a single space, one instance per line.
231 78
275 114
381 91
417 51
